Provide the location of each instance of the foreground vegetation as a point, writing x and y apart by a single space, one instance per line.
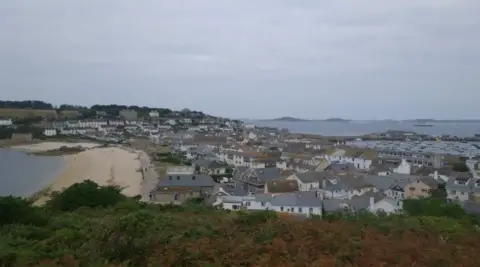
88 225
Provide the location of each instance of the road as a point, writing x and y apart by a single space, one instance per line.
150 176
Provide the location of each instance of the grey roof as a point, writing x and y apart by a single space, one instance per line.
234 189
363 202
310 177
267 174
298 199
471 207
333 205
380 182
187 180
340 167
239 171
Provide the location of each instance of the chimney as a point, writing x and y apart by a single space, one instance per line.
372 202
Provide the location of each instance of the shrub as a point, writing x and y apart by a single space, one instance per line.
85 194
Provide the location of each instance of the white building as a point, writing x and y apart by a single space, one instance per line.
299 203
50 132
153 114
5 122
403 168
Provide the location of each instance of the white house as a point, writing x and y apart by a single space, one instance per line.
374 202
308 180
50 132
299 203
403 168
116 122
252 136
5 122
171 122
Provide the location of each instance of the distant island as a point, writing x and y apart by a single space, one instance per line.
288 119
337 119
292 119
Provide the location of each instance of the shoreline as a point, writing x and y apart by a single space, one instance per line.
117 166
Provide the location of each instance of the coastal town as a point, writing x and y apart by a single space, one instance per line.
235 166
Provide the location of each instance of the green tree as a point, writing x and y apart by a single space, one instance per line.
432 207
18 210
439 192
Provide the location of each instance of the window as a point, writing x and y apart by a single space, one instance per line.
281 208
170 177
176 196
178 177
235 207
299 209
310 210
454 192
193 177
248 203
263 204
462 193
412 188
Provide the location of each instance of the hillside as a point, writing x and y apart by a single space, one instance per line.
84 226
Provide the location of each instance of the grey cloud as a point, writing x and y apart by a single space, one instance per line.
312 59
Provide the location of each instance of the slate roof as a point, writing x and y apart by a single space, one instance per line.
363 202
311 177
268 174
333 205
471 207
298 199
187 180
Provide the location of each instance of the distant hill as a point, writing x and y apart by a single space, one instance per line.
336 119
288 119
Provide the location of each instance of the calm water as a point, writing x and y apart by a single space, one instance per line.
359 128
23 175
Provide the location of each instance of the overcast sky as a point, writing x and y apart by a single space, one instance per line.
368 59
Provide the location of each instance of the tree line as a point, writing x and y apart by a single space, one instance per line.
109 110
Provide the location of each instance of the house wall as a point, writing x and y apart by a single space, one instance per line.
403 168
383 205
298 210
303 186
460 195
416 189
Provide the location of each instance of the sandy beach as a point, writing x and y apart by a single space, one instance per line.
105 166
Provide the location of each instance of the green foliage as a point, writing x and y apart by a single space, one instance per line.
432 207
18 210
90 225
460 167
85 194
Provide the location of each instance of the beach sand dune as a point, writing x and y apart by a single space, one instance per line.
45 146
105 166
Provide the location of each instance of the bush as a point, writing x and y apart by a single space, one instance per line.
18 210
85 194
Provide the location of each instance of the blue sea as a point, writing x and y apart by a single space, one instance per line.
23 175
355 128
